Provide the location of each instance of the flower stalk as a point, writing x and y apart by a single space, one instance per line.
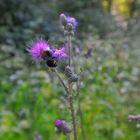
80 114
41 50
70 89
69 49
61 81
68 136
70 99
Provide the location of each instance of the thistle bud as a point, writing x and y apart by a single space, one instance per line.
68 71
58 123
69 23
37 136
69 27
77 51
63 19
62 127
66 129
73 78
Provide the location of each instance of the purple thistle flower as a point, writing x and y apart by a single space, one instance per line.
77 50
58 123
133 117
72 20
59 54
68 19
41 50
37 49
62 127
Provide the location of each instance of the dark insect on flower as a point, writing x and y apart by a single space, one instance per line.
51 62
47 54
42 51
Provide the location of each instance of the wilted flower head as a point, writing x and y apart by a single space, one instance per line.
65 20
37 49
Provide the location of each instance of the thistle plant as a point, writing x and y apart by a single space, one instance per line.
42 51
135 118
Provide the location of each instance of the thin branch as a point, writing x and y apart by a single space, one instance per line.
60 79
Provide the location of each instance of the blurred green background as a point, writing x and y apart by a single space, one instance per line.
110 88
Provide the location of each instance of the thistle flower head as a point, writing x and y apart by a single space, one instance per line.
58 123
41 50
59 54
77 50
37 49
72 21
65 20
62 127
133 117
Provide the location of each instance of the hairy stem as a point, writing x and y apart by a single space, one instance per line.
80 113
70 89
69 49
81 119
61 81
72 113
70 102
68 137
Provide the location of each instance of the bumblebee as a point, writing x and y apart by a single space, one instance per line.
49 58
51 62
47 54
